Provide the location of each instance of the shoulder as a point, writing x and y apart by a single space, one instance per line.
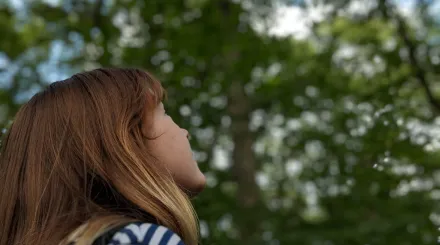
145 234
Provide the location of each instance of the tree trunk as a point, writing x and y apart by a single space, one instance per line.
243 157
244 163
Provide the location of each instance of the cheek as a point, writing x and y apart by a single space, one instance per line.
173 151
179 153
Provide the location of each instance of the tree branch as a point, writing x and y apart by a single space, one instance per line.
419 73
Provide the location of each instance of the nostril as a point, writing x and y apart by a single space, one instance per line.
187 134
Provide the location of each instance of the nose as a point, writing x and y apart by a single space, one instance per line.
186 133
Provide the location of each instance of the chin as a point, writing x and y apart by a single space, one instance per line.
197 186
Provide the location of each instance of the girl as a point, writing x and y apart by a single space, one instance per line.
95 159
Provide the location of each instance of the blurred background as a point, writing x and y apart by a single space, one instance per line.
316 122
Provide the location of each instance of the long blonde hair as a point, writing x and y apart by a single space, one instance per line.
75 159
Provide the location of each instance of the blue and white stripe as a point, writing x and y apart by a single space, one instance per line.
145 234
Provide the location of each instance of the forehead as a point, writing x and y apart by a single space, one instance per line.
156 92
160 107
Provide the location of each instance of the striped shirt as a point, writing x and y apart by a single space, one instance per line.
145 234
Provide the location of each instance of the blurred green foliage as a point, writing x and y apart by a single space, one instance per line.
329 140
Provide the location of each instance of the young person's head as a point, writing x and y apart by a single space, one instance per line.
97 148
